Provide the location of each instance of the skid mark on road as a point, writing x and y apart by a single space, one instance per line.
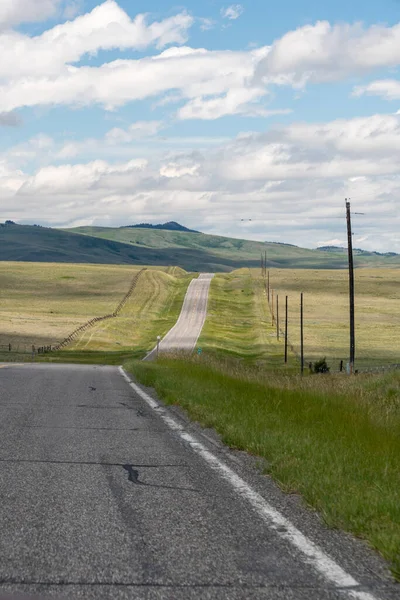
311 554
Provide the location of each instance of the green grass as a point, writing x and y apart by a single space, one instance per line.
239 324
41 304
194 251
191 251
333 439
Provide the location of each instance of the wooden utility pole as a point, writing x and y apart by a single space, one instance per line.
286 325
268 287
301 333
277 317
272 306
351 287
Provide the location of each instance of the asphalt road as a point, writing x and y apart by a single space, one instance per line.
186 331
103 494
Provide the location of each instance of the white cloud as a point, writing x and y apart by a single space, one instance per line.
206 24
192 73
325 52
14 12
235 101
106 27
290 181
73 8
232 12
137 130
172 170
386 88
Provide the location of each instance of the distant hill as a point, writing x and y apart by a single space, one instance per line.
356 251
153 246
170 226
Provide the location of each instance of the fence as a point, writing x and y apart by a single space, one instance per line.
34 349
92 322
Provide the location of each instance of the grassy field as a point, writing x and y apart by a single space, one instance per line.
152 310
333 439
246 331
42 303
326 313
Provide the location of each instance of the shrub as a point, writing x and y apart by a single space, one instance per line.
321 366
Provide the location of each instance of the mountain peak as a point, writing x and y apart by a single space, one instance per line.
170 226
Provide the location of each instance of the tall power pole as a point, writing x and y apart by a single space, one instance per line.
351 287
302 332
286 326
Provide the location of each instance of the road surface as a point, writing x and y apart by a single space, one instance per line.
186 331
104 494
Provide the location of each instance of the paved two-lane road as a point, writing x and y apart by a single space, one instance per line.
186 331
103 495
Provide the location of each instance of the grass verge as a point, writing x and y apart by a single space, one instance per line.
245 332
332 439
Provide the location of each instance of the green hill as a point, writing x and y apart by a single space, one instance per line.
191 251
223 253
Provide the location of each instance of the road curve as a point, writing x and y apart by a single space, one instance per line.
185 333
105 494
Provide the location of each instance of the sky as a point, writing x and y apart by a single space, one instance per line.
253 120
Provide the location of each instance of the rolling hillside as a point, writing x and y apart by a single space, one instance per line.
225 253
142 246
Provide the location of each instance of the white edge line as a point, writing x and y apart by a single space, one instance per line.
312 554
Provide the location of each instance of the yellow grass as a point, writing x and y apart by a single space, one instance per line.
42 303
326 313
146 315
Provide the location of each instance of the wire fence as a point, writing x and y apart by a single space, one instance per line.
337 365
17 348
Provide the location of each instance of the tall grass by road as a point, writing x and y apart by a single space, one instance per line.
239 324
335 440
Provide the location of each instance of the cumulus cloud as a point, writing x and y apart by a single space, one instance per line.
206 24
325 52
389 89
106 27
234 102
233 12
14 12
290 180
137 130
192 73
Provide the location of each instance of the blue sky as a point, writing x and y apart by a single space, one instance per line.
207 113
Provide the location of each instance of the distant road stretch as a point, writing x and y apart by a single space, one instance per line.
186 331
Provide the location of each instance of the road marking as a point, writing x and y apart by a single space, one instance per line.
312 554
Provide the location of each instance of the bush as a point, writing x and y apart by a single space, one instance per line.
321 366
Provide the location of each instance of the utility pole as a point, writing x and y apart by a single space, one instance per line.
268 287
286 324
272 306
277 317
301 333
351 287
